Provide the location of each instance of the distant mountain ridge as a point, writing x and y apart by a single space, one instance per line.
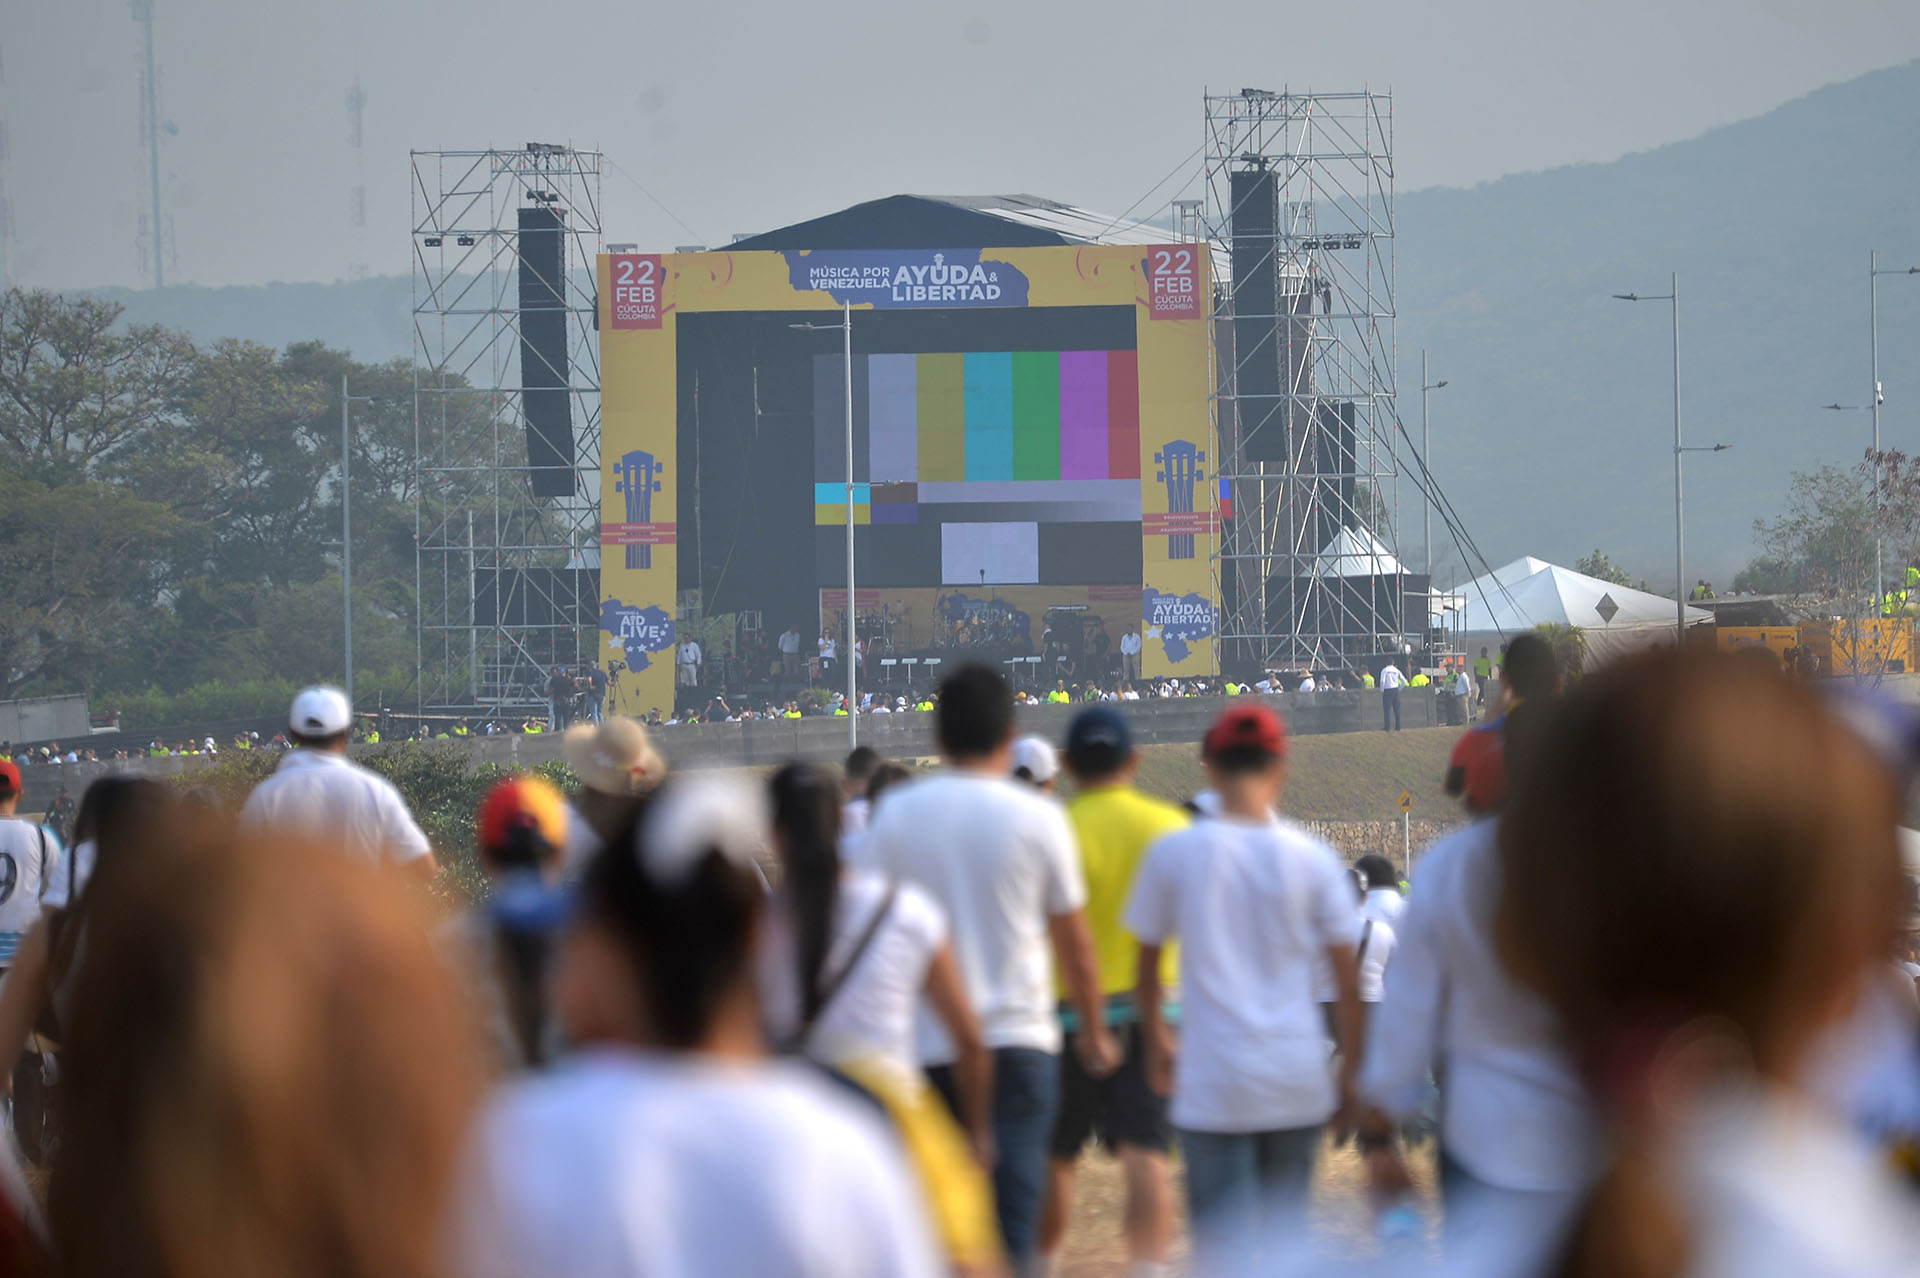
1553 436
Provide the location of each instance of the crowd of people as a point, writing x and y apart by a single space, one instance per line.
1646 1013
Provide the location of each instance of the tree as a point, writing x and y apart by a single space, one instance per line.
1823 543
73 389
1764 575
1569 644
79 576
1598 565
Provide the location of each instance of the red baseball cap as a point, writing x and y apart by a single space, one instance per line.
1250 727
9 777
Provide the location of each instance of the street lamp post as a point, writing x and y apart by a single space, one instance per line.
1876 397
847 658
1873 352
1680 450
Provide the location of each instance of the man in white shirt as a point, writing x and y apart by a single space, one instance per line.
317 795
687 664
1462 698
1130 654
32 851
1001 861
1517 1137
1307 684
1257 905
789 643
1391 681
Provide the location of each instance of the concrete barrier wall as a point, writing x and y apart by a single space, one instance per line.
823 739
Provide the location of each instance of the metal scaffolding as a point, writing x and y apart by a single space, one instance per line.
1299 203
506 581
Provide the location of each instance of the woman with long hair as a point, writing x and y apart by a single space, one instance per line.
1700 877
850 956
671 1141
117 817
267 1071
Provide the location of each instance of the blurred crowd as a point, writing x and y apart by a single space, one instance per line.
1651 1011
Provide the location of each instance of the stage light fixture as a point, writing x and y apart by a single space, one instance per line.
432 241
465 241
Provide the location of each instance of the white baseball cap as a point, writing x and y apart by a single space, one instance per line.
320 711
1037 757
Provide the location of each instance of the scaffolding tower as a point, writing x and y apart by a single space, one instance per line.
1299 206
506 551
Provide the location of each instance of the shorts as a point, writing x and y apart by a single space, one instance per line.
1121 1109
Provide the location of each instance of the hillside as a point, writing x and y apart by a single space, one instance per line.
1342 776
1552 438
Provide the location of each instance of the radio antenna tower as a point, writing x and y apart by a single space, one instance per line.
150 103
357 268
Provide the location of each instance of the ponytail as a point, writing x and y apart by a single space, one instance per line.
806 821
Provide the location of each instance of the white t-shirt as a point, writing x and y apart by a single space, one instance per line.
1307 684
1371 954
629 1164
1391 677
1001 860
827 649
66 881
1129 643
871 1015
1770 1185
1253 905
317 795
29 859
689 653
790 641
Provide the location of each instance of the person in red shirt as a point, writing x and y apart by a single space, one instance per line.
1476 770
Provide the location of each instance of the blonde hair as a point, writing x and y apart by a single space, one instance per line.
268 1073
1699 850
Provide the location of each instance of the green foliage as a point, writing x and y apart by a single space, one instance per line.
1765 575
440 782
170 513
1569 644
1598 565
234 776
1823 542
151 709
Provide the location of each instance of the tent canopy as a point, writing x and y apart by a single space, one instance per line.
1532 592
1356 553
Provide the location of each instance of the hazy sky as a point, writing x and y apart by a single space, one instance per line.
743 116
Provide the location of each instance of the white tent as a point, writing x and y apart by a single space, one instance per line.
1531 592
1355 553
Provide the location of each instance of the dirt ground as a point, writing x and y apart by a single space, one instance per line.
1095 1248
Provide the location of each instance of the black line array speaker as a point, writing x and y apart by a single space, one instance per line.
543 351
1256 296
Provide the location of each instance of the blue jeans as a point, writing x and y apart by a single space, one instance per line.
1241 1186
1026 1094
1390 710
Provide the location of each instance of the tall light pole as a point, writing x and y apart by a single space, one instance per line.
847 651
346 528
1873 351
1680 450
1426 464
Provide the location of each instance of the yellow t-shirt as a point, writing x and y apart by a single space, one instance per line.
1115 825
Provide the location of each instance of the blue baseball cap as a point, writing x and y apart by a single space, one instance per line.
1098 740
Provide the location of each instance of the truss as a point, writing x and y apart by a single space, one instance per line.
1307 569
507 583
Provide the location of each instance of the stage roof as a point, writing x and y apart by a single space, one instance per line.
947 221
